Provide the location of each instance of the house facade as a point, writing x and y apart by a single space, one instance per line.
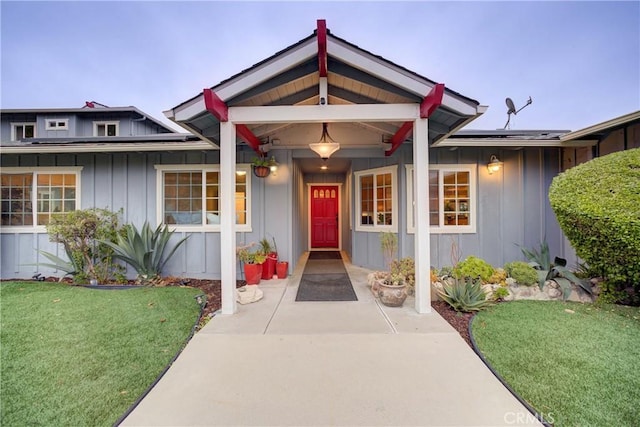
404 164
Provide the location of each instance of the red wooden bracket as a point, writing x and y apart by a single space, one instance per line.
219 109
322 47
215 105
399 137
432 101
245 133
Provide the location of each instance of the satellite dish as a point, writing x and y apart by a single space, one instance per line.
511 106
511 109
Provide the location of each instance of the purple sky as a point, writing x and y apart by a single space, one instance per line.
579 61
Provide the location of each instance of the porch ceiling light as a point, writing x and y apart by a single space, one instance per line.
494 165
326 146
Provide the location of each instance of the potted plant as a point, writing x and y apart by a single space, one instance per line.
392 290
282 269
271 254
252 264
262 166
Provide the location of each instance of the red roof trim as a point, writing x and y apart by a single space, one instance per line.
322 47
215 105
432 101
245 133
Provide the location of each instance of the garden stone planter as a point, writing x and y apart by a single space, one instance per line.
392 296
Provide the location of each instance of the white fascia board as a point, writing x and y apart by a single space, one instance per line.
601 126
266 71
396 77
501 142
190 110
108 148
325 113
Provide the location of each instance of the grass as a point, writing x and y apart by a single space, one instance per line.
576 369
76 356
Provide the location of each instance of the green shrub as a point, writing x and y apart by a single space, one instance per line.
500 294
464 295
81 233
474 267
499 277
145 250
522 273
598 207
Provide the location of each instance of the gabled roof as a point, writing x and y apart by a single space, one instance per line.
354 76
600 130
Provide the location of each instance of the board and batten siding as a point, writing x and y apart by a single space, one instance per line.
127 181
512 208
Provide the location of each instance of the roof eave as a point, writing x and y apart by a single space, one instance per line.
615 122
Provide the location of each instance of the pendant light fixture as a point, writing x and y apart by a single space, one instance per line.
326 146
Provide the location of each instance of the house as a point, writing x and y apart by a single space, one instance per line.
404 164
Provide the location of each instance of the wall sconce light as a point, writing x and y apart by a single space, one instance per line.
326 146
494 165
273 167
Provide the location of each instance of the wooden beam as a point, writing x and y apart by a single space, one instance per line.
399 137
215 105
322 47
245 133
432 101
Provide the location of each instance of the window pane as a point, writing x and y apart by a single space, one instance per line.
183 197
15 190
457 192
366 200
56 193
434 198
29 131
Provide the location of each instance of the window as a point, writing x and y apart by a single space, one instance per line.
57 124
376 199
105 128
189 196
20 131
452 199
29 198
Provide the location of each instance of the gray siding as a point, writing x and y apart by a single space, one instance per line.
512 209
127 181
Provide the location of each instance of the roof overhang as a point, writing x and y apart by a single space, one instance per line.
512 142
602 127
108 148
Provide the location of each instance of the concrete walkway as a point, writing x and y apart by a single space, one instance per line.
280 362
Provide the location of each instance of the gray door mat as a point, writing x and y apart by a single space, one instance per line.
325 287
324 255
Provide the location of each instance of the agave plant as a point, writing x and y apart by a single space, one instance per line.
464 295
71 268
557 271
145 250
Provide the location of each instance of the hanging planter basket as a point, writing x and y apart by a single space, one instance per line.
261 171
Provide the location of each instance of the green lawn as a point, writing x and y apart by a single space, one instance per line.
80 357
576 369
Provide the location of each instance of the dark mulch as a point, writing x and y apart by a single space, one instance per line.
211 288
459 321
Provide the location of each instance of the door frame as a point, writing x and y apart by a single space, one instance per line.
310 186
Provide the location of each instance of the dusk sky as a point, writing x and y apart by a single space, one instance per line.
579 61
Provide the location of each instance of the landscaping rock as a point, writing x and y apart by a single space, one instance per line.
554 293
248 294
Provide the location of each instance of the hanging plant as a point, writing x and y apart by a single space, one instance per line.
262 166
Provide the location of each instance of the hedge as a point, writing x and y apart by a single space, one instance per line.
598 207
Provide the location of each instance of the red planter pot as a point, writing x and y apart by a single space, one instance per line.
269 266
282 269
252 273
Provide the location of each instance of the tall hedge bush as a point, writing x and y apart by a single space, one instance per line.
598 207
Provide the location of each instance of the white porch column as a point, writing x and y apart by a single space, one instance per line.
422 245
227 216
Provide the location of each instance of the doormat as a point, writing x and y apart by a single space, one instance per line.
324 255
325 287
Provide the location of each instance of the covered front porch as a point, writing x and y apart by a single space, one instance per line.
383 117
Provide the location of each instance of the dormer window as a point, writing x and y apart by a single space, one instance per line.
57 124
105 128
20 131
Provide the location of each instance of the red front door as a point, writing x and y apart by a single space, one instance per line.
324 216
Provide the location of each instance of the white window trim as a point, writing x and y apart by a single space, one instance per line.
160 169
56 122
34 194
15 124
106 123
473 197
375 228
